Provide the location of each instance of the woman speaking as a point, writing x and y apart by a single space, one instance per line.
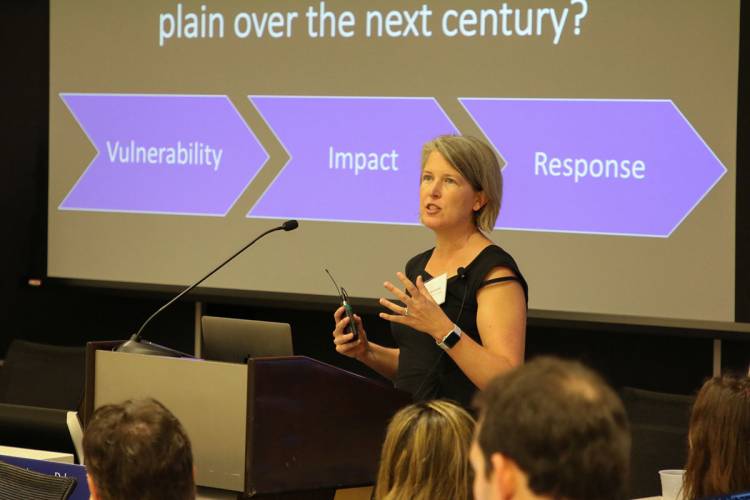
462 313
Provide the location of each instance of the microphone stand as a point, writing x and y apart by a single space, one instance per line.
136 345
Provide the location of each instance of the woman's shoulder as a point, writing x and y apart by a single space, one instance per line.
494 256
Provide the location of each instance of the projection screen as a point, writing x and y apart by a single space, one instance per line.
180 130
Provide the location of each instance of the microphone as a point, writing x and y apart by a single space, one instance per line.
137 346
461 272
290 225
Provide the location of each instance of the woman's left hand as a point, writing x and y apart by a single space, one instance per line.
420 311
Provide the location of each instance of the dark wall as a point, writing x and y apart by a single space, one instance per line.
23 138
742 285
658 359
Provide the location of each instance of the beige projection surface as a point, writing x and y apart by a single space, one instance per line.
180 130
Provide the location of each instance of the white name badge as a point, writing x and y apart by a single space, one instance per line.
437 287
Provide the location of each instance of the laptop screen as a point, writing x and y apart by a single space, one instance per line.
235 340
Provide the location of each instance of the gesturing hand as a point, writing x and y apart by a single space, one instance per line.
420 311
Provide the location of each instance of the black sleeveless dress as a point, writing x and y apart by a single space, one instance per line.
425 370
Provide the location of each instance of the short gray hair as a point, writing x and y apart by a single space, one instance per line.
478 163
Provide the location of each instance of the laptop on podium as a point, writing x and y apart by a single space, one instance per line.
235 340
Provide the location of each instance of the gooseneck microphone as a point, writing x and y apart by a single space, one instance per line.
138 346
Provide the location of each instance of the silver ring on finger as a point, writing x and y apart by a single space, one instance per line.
406 311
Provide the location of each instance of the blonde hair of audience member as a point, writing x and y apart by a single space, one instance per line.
426 453
719 439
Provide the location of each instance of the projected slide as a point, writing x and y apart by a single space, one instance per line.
627 167
180 130
351 159
597 166
190 155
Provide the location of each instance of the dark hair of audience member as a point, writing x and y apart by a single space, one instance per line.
425 455
719 439
562 425
138 449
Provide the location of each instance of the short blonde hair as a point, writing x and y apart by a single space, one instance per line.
479 165
426 453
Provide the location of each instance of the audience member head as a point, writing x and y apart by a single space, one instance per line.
138 449
426 453
550 429
719 439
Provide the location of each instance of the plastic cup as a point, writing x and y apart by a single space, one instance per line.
671 483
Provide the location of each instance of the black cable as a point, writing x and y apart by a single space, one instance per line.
461 272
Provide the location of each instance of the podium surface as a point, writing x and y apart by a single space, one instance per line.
209 399
274 425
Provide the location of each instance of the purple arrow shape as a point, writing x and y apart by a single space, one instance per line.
601 189
188 155
351 159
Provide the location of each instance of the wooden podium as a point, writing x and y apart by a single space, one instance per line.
273 428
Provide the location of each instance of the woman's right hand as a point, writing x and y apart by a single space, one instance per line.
343 341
